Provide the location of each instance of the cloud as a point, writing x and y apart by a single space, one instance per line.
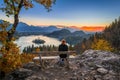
92 28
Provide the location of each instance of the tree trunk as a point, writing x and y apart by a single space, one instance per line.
13 29
16 21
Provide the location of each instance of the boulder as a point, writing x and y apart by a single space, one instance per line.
32 66
19 74
36 78
102 70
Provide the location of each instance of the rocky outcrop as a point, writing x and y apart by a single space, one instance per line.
100 65
91 65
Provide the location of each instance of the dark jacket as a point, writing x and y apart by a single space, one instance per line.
63 47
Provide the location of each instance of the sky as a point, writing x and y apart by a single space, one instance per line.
71 13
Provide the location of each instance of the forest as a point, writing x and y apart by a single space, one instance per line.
108 40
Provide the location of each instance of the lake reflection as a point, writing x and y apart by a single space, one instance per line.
27 41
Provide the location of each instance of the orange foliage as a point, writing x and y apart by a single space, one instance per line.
11 59
102 44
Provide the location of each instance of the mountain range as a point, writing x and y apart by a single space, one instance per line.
23 27
72 36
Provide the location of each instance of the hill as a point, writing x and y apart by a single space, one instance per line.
78 33
71 37
91 65
60 34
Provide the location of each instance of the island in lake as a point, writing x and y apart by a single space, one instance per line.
38 41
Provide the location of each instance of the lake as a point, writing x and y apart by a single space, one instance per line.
27 41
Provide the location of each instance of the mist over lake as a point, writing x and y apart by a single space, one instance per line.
25 41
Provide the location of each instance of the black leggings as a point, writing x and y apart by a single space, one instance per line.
63 55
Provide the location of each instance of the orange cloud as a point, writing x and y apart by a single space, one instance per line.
92 29
86 28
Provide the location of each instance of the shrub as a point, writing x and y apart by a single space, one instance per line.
102 44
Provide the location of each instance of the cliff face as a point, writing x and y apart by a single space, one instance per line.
91 65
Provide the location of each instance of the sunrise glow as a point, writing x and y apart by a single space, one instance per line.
88 15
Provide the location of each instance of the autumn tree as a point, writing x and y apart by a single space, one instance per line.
102 44
11 59
87 43
13 8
